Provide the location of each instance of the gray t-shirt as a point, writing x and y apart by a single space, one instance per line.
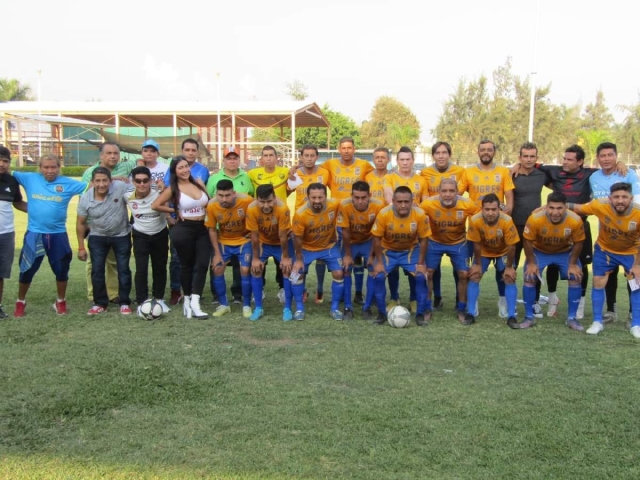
108 217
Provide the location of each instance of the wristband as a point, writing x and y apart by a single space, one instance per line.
81 249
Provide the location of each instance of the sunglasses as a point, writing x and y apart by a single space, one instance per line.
142 180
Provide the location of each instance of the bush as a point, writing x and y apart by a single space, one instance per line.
72 171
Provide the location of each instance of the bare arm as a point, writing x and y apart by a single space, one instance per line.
81 232
21 205
508 196
160 203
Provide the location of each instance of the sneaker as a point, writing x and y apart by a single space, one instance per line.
96 310
336 315
502 307
438 304
392 303
552 305
319 297
461 315
165 307
574 324
176 297
348 314
246 312
635 331
214 300
19 311
257 313
358 299
595 328
526 323
512 322
237 300
468 319
421 321
610 317
281 295
413 306
287 315
299 315
537 311
381 319
580 311
368 314
543 300
3 314
125 310
221 310
115 300
60 307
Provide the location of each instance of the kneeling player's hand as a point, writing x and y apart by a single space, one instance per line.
256 266
285 265
510 274
575 271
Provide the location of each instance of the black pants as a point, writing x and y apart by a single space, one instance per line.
279 277
155 247
191 240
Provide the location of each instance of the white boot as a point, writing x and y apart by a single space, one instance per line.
186 306
195 308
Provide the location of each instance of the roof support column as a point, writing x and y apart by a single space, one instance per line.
175 132
293 137
117 115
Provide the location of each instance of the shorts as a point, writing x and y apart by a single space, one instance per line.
604 262
58 251
275 251
242 252
561 260
406 259
362 250
500 263
458 253
7 251
331 256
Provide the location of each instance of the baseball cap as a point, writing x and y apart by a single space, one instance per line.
151 143
229 150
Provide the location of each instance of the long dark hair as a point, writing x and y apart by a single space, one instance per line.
175 191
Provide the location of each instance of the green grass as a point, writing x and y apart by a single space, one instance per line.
226 398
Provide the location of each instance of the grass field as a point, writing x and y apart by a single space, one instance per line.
118 397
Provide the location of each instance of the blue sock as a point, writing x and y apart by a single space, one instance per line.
422 293
511 292
529 295
635 308
348 281
298 292
437 278
574 294
287 293
245 282
320 271
359 274
221 289
394 284
257 287
337 292
381 293
368 299
473 292
412 289
597 303
500 282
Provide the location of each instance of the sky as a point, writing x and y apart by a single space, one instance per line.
348 53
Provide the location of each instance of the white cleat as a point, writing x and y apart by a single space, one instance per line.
552 305
502 307
635 331
595 328
580 311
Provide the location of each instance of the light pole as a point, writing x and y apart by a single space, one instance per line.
219 128
532 101
39 113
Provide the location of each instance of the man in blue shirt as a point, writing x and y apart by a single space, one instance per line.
48 194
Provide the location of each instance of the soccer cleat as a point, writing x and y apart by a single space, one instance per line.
580 311
421 320
513 323
543 300
526 323
165 307
381 319
468 319
635 331
368 314
176 297
3 314
221 310
438 304
19 311
96 310
502 307
237 300
610 317
125 310
319 297
413 306
537 311
246 312
574 324
257 313
552 304
461 315
60 307
348 314
281 295
336 315
595 328
299 315
287 315
392 303
358 299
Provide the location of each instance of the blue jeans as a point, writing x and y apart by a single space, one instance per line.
98 249
174 269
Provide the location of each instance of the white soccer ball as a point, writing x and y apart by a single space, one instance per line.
150 310
399 317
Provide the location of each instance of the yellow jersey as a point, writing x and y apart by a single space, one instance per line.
269 226
319 176
618 234
278 178
482 182
376 185
448 224
415 182
401 233
317 230
552 238
494 240
341 177
433 177
231 222
359 223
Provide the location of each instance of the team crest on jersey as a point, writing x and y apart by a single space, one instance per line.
220 217
416 186
319 180
499 233
390 227
59 188
311 223
607 220
438 213
497 178
134 206
544 231
259 176
337 170
241 212
632 226
356 171
476 179
459 214
413 227
260 220
281 176
567 232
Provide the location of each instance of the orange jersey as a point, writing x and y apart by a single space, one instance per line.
317 230
376 185
415 182
618 234
341 177
549 237
433 177
494 240
448 224
319 176
482 182
401 233
231 222
278 178
359 223
269 226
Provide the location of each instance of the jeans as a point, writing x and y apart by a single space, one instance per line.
174 268
155 247
191 240
98 249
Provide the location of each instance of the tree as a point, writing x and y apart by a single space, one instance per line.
12 90
391 124
297 90
596 115
629 131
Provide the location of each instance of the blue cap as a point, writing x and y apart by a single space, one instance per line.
151 143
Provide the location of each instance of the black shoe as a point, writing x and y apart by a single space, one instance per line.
468 320
115 300
381 319
420 320
348 314
237 300
513 323
358 299
3 314
438 304
368 315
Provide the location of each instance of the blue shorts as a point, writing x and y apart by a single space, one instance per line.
561 260
406 259
331 256
241 252
604 262
275 251
58 251
458 254
500 262
361 250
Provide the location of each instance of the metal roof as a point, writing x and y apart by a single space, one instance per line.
52 120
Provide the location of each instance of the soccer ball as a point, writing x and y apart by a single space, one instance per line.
150 310
399 317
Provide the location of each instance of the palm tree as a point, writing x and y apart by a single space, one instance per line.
12 90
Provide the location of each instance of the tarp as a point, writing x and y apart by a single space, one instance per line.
169 146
